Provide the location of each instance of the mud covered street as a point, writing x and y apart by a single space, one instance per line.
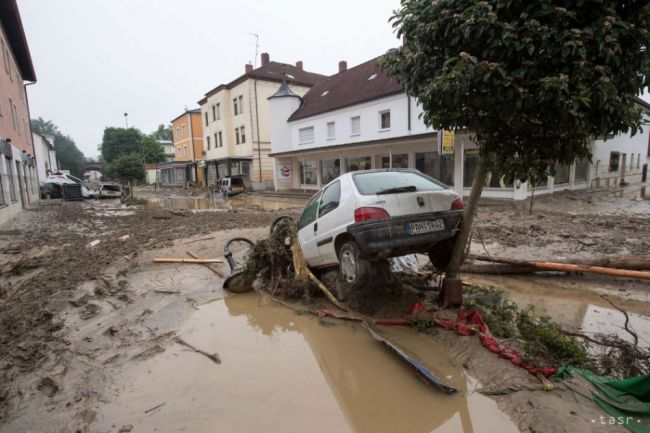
92 338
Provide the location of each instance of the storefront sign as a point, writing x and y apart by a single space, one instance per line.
448 142
284 172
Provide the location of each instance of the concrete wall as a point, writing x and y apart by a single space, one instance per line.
633 154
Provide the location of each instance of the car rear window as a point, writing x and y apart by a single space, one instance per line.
375 182
237 181
110 187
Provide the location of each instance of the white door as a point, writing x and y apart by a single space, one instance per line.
307 229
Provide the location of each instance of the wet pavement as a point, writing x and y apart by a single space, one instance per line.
283 372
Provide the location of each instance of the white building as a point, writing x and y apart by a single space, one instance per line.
360 119
46 162
236 120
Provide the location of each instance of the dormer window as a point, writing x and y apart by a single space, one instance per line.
372 77
325 93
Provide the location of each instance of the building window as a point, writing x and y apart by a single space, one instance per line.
218 111
216 140
235 106
206 118
306 135
10 180
241 104
243 135
183 129
214 112
355 125
207 141
12 107
638 160
220 139
437 166
384 120
331 130
5 57
632 161
177 133
330 169
185 151
237 138
358 163
581 170
614 159
308 173
398 161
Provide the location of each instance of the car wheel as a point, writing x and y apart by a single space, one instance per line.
354 269
47 196
440 254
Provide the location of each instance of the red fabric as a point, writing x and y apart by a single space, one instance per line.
469 322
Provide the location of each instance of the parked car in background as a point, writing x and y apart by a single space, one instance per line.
362 218
50 190
233 185
61 178
109 190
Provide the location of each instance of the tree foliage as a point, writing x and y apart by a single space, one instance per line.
534 81
67 153
164 132
127 168
118 142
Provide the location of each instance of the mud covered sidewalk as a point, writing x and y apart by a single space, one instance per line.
89 335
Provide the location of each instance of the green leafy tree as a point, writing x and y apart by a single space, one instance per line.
164 132
118 142
128 168
67 152
533 81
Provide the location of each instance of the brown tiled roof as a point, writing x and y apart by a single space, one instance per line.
346 88
13 26
272 71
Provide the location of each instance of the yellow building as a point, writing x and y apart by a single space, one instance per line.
188 164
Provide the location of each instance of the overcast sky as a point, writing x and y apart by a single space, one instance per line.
97 59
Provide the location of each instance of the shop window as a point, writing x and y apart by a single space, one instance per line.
358 163
330 169
562 174
440 167
399 161
582 170
614 160
308 173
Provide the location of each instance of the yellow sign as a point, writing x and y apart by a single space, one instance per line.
448 142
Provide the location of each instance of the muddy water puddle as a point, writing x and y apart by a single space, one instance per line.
284 372
220 203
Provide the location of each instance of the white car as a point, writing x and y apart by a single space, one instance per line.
109 190
60 179
363 217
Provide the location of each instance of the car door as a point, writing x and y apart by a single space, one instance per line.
307 228
329 223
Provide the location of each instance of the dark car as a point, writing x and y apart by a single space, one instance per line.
50 190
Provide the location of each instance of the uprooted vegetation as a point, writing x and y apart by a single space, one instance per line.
545 343
270 262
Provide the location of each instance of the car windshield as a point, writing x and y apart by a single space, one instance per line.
395 182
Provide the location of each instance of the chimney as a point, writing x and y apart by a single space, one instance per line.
299 64
343 66
265 58
248 68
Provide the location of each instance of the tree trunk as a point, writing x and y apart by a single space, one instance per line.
457 256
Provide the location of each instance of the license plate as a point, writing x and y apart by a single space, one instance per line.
425 227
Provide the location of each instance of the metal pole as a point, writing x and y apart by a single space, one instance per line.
126 120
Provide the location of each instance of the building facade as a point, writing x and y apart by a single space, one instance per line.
188 163
18 176
45 155
360 119
237 125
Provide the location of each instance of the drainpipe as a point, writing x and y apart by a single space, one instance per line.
408 112
257 121
31 135
196 173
